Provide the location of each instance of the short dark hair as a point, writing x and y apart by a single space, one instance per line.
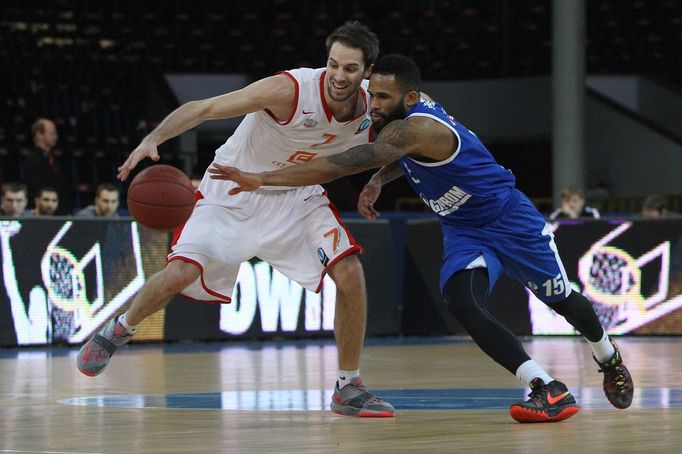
106 187
356 35
14 186
404 69
46 189
570 191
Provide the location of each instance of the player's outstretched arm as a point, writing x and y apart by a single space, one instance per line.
395 141
275 93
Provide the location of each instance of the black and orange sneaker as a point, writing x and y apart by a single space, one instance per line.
618 385
548 403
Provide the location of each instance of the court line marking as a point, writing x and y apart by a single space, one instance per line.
46 452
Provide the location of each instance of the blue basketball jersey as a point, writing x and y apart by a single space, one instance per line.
468 188
484 216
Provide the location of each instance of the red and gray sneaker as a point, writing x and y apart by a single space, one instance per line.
548 403
618 385
355 400
96 353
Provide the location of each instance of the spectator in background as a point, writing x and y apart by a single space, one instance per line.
42 168
14 200
46 202
106 202
573 206
654 207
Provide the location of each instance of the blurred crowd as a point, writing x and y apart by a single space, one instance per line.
44 191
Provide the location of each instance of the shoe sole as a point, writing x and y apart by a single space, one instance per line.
526 415
362 413
80 365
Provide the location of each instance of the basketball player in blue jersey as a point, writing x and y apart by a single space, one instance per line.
488 225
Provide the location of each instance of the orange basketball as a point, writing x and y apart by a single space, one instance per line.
161 197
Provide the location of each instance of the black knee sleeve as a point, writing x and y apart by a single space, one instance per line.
465 293
578 311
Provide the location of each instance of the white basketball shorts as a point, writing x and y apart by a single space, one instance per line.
297 231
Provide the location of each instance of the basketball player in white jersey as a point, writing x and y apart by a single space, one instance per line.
290 118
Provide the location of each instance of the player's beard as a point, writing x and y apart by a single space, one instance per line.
398 113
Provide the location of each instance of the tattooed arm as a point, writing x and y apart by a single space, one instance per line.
396 140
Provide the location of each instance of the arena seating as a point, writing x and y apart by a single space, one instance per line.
91 65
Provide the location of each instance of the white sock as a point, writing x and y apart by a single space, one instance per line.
130 328
530 370
345 376
603 348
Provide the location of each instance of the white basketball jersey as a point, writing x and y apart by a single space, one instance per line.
262 143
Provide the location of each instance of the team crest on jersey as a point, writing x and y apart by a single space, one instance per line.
310 123
364 125
324 259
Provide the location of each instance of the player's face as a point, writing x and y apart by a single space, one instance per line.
387 101
106 203
47 203
345 71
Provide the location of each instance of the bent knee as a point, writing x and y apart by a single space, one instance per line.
178 274
347 272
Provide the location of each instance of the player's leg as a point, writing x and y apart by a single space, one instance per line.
313 241
351 397
95 354
350 313
465 294
531 256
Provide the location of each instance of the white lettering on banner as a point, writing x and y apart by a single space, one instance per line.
278 300
237 317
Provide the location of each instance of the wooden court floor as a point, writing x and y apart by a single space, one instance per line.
258 398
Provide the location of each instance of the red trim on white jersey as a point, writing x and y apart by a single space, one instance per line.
177 232
363 95
355 247
293 111
327 112
223 299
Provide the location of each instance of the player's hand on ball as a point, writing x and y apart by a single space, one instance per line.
246 181
370 193
146 149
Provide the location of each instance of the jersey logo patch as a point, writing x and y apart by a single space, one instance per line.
301 157
324 259
364 125
310 123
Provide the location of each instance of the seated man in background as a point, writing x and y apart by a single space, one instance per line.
14 200
654 207
106 202
46 202
573 206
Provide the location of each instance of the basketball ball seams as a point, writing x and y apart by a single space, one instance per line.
161 197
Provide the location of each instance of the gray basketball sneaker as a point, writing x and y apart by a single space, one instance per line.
355 400
96 353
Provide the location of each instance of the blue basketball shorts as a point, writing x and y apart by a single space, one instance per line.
519 242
